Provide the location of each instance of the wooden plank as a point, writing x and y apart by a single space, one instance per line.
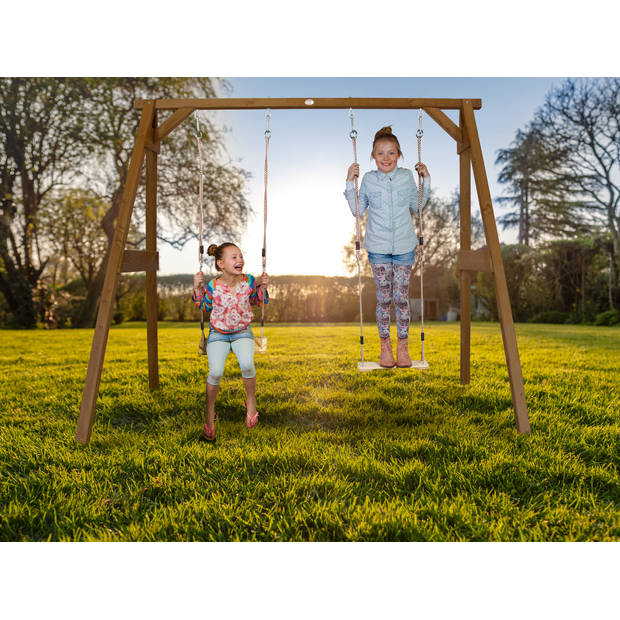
501 288
462 145
139 260
445 122
171 123
106 303
475 260
151 276
152 146
465 239
299 103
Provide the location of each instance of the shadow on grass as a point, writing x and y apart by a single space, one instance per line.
447 410
380 412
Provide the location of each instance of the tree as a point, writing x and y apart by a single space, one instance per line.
113 125
41 146
71 223
580 119
564 277
536 187
520 268
80 133
572 268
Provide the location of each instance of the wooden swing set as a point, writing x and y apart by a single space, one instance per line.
147 144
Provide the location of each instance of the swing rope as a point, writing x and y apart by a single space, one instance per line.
419 135
202 347
353 136
267 138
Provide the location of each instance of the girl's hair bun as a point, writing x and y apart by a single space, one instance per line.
384 131
217 251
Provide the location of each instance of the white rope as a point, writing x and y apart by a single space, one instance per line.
201 203
353 136
266 177
419 135
202 347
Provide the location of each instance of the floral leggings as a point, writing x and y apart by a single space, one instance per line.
392 283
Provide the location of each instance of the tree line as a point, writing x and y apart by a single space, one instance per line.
65 146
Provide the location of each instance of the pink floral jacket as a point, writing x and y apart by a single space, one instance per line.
230 308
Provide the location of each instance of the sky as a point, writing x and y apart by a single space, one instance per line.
309 221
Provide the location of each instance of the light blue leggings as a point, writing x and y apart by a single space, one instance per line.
218 351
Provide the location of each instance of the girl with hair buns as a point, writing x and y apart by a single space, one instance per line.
389 193
228 297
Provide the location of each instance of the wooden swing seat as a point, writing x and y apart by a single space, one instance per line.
415 364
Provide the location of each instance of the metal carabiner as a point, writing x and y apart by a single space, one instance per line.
420 132
353 132
267 118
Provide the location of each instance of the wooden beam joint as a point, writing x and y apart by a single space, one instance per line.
154 147
139 260
475 260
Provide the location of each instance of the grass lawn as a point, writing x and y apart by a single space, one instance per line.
397 455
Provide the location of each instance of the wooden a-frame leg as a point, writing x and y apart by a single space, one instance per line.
464 153
501 288
106 304
151 276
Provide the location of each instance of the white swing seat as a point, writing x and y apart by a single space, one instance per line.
260 344
368 366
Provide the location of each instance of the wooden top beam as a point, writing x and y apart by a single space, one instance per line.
324 104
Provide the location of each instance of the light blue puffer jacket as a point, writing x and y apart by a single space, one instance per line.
392 197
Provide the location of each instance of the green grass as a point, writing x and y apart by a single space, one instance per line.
338 455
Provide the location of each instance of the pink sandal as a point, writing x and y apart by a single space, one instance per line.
208 435
250 421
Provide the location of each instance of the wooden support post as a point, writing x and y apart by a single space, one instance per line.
106 303
151 276
464 153
501 288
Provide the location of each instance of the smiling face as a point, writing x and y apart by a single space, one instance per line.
232 261
386 155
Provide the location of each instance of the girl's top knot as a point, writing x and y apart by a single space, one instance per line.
211 250
383 132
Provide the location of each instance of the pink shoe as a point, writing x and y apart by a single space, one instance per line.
387 357
250 421
402 353
208 434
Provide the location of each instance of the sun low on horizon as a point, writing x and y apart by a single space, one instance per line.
309 221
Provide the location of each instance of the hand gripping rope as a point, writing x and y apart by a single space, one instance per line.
202 347
419 135
261 343
353 136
